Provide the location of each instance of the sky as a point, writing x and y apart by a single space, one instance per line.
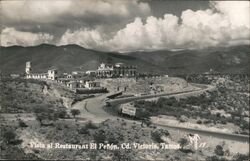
126 25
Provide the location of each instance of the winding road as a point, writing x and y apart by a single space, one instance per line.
92 109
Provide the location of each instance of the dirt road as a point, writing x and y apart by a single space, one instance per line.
92 109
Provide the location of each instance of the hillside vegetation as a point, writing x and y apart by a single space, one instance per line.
73 57
228 104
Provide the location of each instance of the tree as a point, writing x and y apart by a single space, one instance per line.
146 121
212 158
90 125
99 136
83 130
199 122
40 117
183 118
157 135
219 150
241 157
75 112
60 113
123 155
9 136
183 142
22 123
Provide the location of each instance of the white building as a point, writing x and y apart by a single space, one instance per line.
117 70
92 84
51 74
69 76
28 67
14 75
37 76
72 84
78 72
105 70
91 72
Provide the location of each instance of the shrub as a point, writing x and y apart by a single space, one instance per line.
112 138
99 136
60 113
22 123
219 150
212 158
9 136
83 130
183 118
60 125
183 142
199 122
240 157
124 123
147 122
120 155
207 121
74 140
90 125
158 133
40 117
75 112
223 121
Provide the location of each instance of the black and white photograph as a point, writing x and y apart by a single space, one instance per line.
124 80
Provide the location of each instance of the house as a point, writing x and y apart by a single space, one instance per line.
72 84
91 72
14 75
92 84
64 80
78 72
69 76
52 74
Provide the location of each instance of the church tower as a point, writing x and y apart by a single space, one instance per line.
28 67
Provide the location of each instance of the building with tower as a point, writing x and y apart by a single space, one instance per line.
51 74
28 68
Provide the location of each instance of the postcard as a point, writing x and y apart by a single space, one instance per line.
124 80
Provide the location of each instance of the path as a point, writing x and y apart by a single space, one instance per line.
93 110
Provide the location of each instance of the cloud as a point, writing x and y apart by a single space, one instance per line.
218 26
44 11
84 37
9 37
123 26
237 12
57 17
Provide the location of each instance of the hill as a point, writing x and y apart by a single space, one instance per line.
72 57
224 60
66 58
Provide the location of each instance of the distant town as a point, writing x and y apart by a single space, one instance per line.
81 79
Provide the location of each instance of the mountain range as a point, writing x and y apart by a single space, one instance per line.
73 58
